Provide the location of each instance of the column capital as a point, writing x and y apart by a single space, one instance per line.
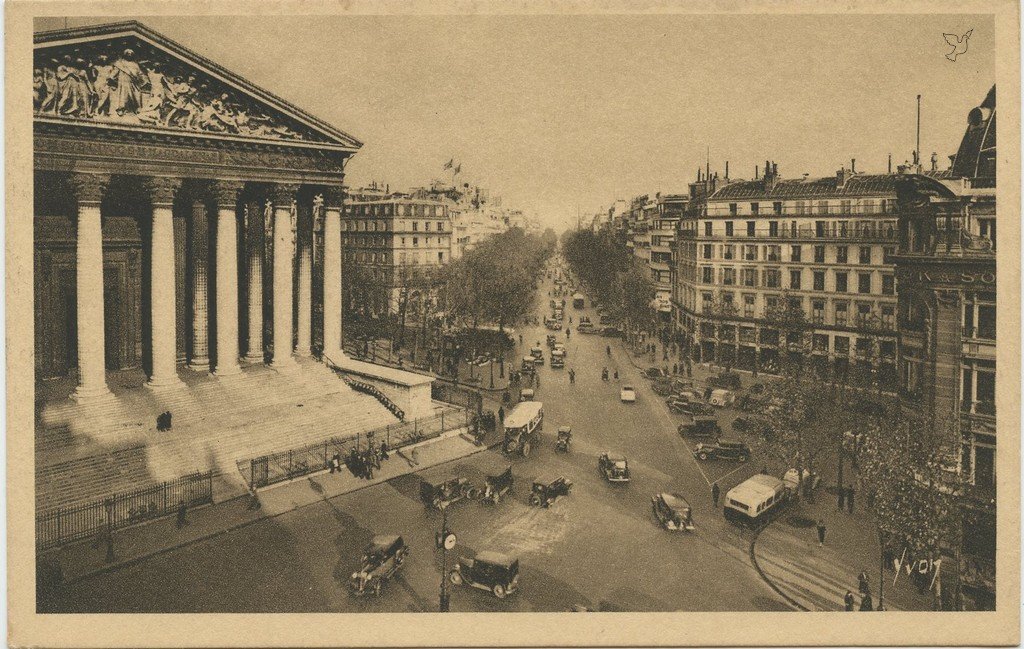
162 189
89 187
333 197
225 192
282 194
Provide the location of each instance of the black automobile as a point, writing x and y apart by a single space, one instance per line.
564 439
673 512
614 467
498 485
692 408
381 560
704 427
491 571
655 373
547 489
662 387
723 449
443 492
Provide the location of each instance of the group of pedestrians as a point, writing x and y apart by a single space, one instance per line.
866 603
846 498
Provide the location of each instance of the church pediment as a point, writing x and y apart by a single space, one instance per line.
126 75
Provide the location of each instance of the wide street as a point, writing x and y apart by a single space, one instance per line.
599 547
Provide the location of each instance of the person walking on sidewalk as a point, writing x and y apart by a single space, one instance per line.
866 603
501 415
848 601
842 498
616 374
715 492
862 582
821 532
182 512
849 498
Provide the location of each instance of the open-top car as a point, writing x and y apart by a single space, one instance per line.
564 439
673 512
723 449
441 492
627 394
586 328
702 427
529 365
678 403
490 571
547 489
498 485
381 560
613 466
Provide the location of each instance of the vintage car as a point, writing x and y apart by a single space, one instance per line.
692 408
564 439
627 394
490 571
677 403
522 427
529 365
614 467
557 358
551 341
498 485
381 560
586 328
547 489
526 394
538 355
553 324
810 479
725 380
722 398
662 387
673 512
441 492
560 347
723 449
701 426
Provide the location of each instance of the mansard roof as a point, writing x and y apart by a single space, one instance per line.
827 187
127 76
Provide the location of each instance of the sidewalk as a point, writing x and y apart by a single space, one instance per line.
816 578
134 544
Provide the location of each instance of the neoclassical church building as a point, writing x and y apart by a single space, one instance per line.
187 259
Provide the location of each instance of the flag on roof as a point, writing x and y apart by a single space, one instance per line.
448 165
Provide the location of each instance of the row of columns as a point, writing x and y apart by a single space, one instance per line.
89 191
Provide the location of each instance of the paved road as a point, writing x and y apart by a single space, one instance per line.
598 547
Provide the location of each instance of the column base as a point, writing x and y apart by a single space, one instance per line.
228 370
164 383
254 358
199 364
90 395
303 351
284 365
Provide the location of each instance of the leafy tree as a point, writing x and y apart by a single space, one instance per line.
634 291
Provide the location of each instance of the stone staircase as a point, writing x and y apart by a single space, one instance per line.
85 453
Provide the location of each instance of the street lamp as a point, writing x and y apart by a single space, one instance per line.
444 541
490 365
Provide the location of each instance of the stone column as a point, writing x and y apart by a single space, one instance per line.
226 194
92 384
163 334
332 272
199 252
304 246
254 241
283 260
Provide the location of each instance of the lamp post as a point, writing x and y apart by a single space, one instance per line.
490 365
444 541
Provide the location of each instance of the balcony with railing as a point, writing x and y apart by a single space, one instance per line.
806 232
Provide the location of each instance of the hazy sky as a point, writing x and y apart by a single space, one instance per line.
555 112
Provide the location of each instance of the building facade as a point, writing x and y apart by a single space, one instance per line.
946 268
772 267
395 246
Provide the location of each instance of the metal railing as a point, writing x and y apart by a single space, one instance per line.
285 465
66 524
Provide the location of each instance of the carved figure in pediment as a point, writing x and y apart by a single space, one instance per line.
128 82
72 88
102 72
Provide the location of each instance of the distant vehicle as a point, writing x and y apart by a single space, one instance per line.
655 373
726 380
439 493
704 427
678 403
723 449
548 489
809 477
560 347
693 408
673 512
627 394
577 301
611 332
523 426
722 398
564 439
662 387
526 394
557 358
529 364
756 501
586 328
381 560
538 355
550 340
498 485
490 571
614 467
552 324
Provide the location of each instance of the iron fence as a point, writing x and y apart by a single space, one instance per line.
67 524
279 467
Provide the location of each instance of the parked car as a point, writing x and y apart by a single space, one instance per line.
695 409
490 571
381 560
726 380
809 477
614 467
547 489
722 398
627 394
705 427
673 512
662 387
655 373
723 449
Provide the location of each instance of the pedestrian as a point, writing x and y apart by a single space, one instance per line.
536 380
616 375
821 532
715 492
862 582
568 333
849 498
842 498
865 603
675 368
501 414
182 511
848 601
707 393
664 354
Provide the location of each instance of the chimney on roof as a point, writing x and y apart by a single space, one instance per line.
853 165
771 175
727 170
842 176
757 172
890 163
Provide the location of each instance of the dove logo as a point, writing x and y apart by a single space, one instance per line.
958 43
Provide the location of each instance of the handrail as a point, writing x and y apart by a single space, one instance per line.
366 388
